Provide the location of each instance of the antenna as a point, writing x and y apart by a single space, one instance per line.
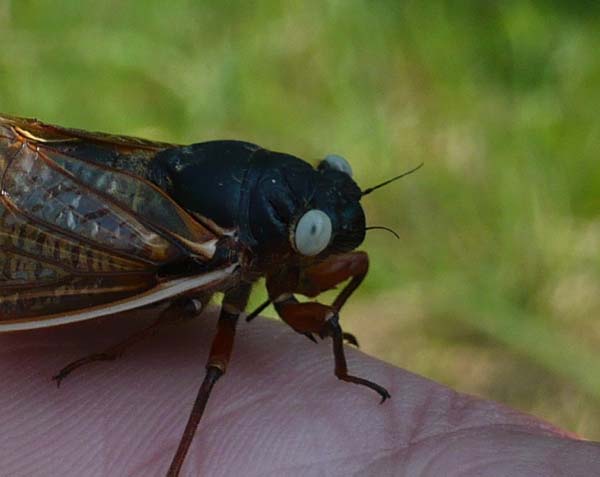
371 189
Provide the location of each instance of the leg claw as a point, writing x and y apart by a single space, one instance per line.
310 336
350 338
69 368
57 378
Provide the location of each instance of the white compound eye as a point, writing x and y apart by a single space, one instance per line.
338 163
313 233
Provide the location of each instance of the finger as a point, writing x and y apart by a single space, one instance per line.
279 410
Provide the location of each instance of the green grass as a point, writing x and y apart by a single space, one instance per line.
498 267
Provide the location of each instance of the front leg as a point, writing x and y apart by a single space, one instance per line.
312 317
316 279
329 273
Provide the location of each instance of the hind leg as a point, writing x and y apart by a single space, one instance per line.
177 311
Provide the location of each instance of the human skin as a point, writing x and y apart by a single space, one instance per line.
279 410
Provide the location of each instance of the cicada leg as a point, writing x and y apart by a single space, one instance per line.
329 273
175 312
234 303
311 318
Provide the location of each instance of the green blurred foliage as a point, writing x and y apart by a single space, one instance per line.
494 285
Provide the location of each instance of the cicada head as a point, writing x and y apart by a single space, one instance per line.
297 209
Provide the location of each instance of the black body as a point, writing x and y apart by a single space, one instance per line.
260 193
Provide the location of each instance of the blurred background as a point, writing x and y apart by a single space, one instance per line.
494 285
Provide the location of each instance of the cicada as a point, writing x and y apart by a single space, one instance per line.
93 224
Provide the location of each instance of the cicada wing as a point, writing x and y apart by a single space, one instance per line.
75 234
119 169
51 133
40 191
161 291
43 271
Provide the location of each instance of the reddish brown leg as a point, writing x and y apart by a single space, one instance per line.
318 278
233 304
341 368
175 312
312 317
333 271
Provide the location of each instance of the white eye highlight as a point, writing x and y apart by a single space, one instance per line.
338 163
313 233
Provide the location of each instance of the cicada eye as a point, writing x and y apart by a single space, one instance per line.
313 233
338 163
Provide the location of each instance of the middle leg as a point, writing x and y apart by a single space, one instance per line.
234 303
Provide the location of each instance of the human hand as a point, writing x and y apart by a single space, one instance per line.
279 410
